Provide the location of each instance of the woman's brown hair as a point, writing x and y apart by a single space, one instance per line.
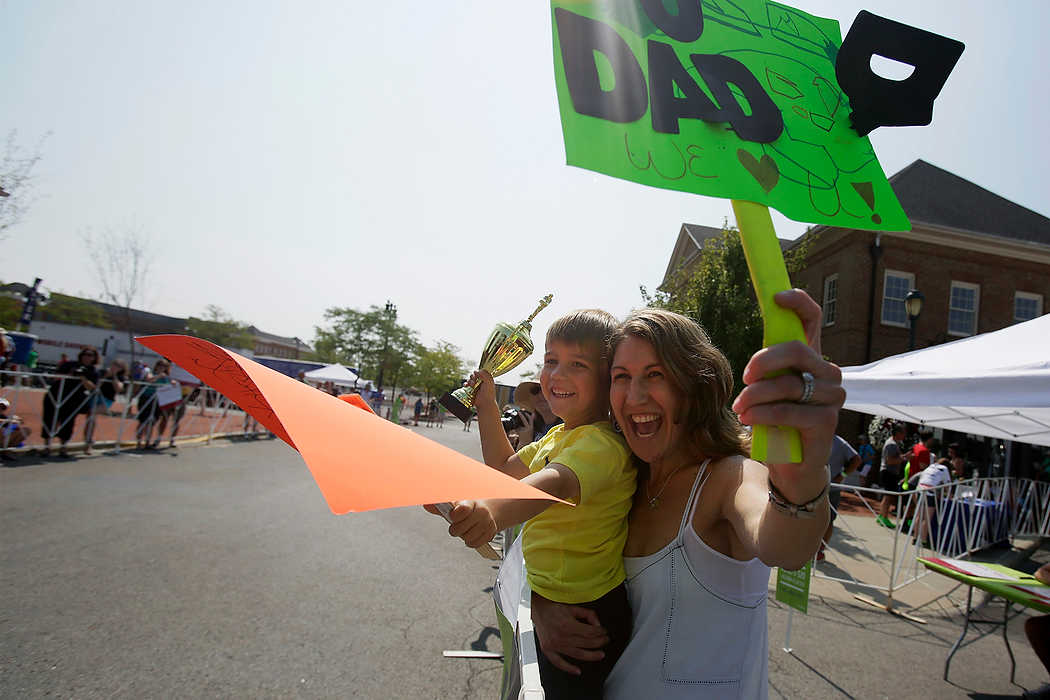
699 371
88 350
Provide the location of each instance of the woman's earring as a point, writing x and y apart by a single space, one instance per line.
616 426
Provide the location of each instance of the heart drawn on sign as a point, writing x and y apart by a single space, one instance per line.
764 170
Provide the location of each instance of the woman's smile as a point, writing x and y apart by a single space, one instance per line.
645 425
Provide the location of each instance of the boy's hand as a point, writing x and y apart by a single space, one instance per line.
486 387
473 522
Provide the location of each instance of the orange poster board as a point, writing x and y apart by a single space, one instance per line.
359 460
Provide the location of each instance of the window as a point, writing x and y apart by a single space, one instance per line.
1027 306
895 287
831 297
962 308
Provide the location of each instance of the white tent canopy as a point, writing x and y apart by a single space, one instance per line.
337 374
995 384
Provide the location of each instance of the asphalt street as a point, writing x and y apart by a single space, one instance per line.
218 571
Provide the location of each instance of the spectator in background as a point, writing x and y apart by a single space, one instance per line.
890 474
7 349
915 461
395 408
417 410
150 414
921 455
31 360
109 386
178 411
67 396
937 474
843 460
13 432
432 412
540 418
867 460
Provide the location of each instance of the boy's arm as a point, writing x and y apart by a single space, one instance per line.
477 522
495 445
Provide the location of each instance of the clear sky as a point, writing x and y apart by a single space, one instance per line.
286 157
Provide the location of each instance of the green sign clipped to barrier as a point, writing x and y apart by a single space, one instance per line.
793 587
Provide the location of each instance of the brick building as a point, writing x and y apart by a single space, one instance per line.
981 261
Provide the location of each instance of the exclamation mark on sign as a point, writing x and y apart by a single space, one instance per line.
867 193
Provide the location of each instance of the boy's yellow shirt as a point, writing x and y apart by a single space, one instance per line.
575 554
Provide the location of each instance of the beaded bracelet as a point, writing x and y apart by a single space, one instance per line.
794 510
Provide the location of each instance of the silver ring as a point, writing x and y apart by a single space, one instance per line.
807 387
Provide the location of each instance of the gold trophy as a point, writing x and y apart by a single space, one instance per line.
506 348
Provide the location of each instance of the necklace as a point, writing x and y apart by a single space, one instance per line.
654 502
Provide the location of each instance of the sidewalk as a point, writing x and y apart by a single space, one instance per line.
847 648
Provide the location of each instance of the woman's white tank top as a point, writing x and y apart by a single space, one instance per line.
699 622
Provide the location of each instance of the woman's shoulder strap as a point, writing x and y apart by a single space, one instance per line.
694 496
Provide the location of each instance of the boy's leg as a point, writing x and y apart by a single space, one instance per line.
614 612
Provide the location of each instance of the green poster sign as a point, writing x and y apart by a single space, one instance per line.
793 587
727 99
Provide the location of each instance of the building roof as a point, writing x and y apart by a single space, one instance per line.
691 239
931 195
292 342
142 322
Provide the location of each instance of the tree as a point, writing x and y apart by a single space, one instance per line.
439 369
717 292
75 311
534 373
121 262
10 311
16 179
220 328
371 341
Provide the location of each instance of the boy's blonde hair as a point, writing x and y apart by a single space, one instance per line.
590 328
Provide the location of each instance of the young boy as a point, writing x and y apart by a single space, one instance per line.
573 555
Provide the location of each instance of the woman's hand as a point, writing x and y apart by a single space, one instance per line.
567 631
486 386
775 400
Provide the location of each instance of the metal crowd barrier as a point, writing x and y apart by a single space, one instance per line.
953 520
53 405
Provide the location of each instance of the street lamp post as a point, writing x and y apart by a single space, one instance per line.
391 311
913 307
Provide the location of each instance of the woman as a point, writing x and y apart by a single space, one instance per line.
538 417
150 412
707 522
67 396
109 386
